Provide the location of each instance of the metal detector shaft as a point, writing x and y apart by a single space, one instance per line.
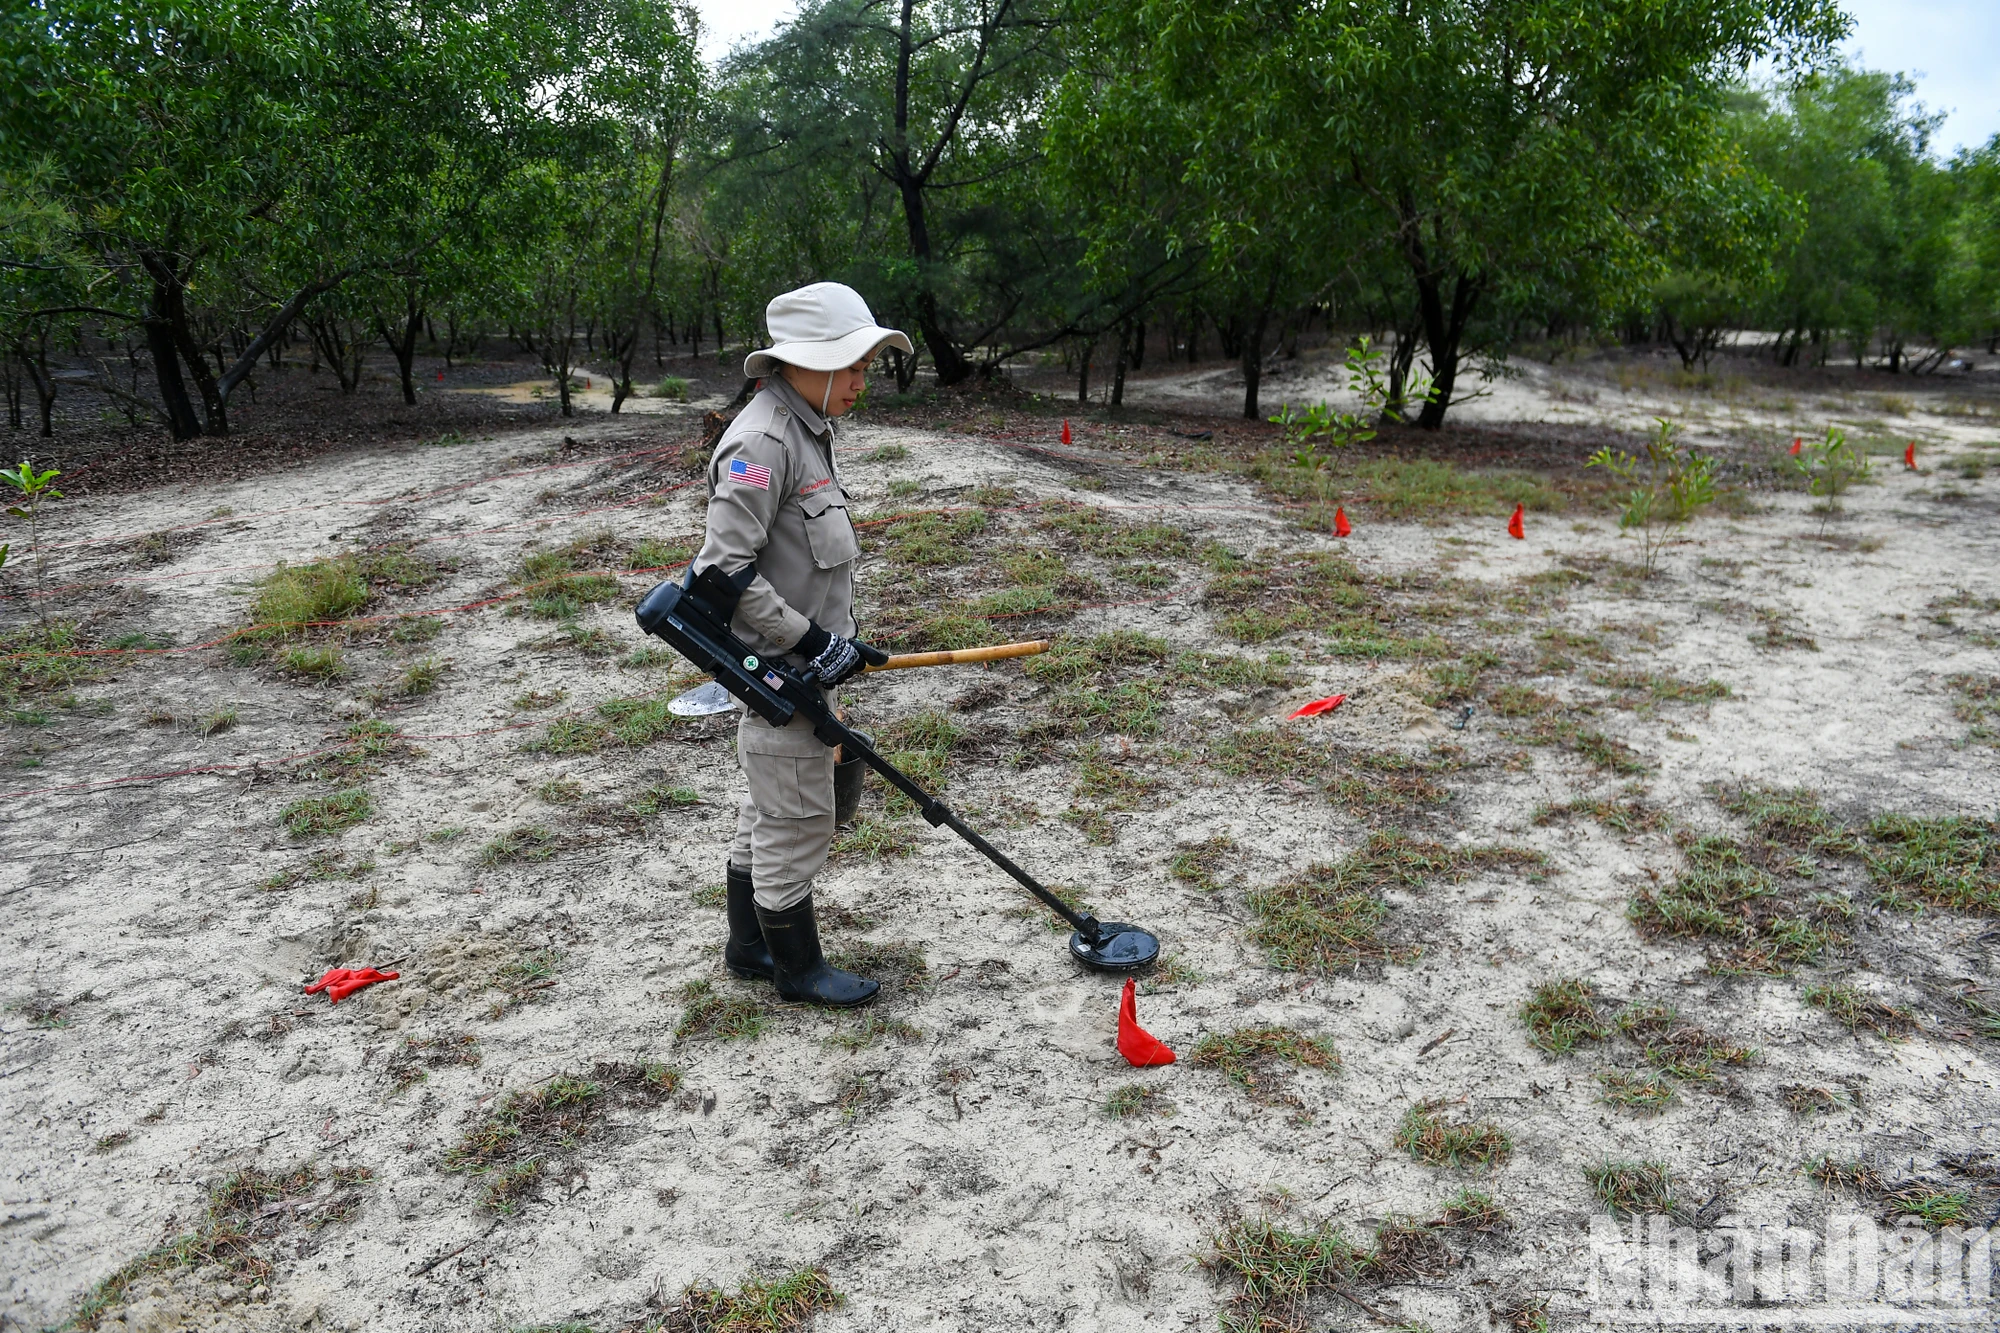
936 812
777 693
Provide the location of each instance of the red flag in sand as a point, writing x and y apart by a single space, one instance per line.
1515 528
1798 443
341 982
1910 456
1138 1046
1317 706
1341 527
1065 430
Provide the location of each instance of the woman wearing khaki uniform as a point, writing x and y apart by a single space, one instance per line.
778 529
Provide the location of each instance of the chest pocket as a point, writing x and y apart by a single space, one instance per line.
828 531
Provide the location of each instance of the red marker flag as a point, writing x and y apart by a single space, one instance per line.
1515 528
1065 430
1910 456
1341 527
1316 707
341 982
1797 444
1138 1046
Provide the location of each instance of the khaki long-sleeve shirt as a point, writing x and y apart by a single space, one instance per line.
775 501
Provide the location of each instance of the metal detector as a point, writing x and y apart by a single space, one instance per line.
689 621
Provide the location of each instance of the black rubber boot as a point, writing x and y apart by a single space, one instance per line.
746 954
803 973
847 786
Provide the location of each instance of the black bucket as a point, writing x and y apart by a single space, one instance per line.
847 786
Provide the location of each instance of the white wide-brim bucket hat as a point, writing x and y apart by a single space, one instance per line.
822 327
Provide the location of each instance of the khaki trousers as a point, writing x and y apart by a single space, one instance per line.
784 828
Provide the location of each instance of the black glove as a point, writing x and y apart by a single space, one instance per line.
833 658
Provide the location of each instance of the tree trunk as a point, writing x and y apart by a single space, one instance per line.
181 421
1083 372
1139 345
1443 328
1118 367
36 363
952 366
10 381
403 342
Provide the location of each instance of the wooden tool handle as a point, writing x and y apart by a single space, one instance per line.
957 656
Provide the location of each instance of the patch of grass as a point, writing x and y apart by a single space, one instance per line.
416 629
1279 1273
560 791
565 596
525 842
294 597
1251 1057
871 1029
899 966
1282 594
887 453
1723 895
1472 1210
649 658
1632 1188
925 540
654 798
1640 689
1093 530
1854 1010
707 1016
311 816
920 745
1136 1100
410 1064
1679 1050
421 677
570 735
1977 704
778 1305
649 554
1801 1100
1934 1206
509 1147
1952 863
216 721
1436 1141
34 660
1198 865
1560 1014
1328 919
1645 1091
874 839
1620 816
1605 753
238 1231
536 699
637 722
322 662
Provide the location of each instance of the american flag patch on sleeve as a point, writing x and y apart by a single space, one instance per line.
750 474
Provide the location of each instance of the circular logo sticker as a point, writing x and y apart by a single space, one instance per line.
749 664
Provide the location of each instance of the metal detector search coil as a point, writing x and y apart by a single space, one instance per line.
686 619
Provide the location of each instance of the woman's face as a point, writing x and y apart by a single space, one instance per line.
846 385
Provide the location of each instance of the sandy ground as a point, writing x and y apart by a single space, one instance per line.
959 1172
